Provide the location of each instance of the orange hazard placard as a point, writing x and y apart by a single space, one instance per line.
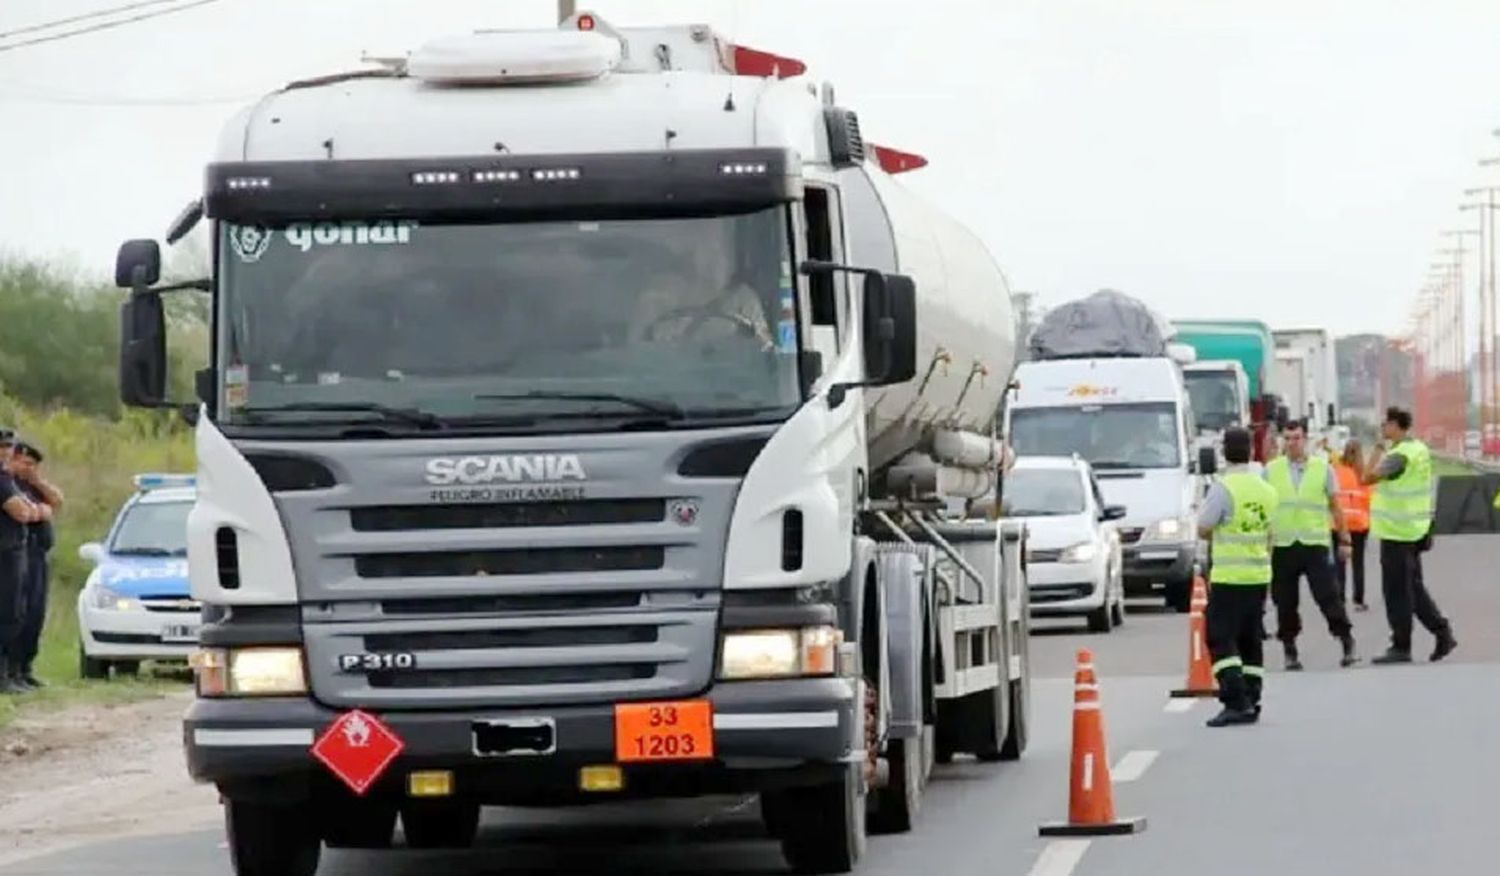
664 731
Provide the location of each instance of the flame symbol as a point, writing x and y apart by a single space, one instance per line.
357 732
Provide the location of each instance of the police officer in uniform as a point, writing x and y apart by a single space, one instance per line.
15 512
1401 517
46 499
1308 514
1236 517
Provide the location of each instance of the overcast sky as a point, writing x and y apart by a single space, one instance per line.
1291 160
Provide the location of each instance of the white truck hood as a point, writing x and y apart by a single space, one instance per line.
1148 495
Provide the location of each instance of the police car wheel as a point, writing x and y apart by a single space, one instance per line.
91 669
268 840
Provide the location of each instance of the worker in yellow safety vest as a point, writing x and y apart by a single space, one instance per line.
1236 519
1308 518
1401 518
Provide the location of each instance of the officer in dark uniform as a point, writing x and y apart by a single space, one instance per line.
15 512
26 469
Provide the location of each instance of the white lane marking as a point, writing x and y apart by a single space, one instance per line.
1059 858
1180 704
1133 765
1088 772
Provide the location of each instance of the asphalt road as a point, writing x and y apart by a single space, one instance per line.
1320 786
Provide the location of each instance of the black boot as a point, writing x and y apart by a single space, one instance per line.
1445 645
1233 715
1293 664
1349 658
1392 656
7 683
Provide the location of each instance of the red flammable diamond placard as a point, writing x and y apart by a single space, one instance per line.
357 748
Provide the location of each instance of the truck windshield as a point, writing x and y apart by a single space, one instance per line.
153 529
423 325
1215 402
1123 436
1042 492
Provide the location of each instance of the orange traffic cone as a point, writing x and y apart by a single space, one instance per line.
1200 677
1091 800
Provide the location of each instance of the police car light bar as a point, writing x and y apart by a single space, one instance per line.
164 481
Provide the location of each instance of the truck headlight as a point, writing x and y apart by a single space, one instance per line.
1079 553
780 653
1165 530
249 672
103 598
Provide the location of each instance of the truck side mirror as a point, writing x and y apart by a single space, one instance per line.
143 351
1113 512
137 264
901 309
1208 461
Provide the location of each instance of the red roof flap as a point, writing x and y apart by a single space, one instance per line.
896 161
753 62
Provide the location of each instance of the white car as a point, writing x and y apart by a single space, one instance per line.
1074 564
136 603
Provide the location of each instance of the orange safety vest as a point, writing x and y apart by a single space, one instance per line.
1354 498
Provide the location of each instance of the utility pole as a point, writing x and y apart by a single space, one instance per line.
1489 394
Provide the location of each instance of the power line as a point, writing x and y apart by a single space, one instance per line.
106 25
48 25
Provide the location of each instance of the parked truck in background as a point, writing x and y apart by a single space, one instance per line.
1232 371
1307 377
582 413
1104 382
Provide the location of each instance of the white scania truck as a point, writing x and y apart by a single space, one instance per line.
586 416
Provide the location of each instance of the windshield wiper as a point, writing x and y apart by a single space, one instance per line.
659 407
145 552
1112 463
419 418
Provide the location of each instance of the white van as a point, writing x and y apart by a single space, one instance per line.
1132 420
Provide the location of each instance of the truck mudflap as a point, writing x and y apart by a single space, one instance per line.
764 734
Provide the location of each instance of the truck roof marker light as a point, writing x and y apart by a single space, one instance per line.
747 168
753 62
895 161
556 174
587 22
495 176
435 177
241 183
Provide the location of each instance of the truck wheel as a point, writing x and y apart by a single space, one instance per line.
1099 619
360 824
897 804
1019 729
89 668
996 724
439 825
269 840
824 825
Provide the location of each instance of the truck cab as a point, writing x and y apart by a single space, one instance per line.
569 422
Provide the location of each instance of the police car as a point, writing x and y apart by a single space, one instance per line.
136 604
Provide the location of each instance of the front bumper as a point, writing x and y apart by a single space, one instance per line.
1149 563
1065 588
136 634
766 734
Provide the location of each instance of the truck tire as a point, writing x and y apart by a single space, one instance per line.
822 826
267 840
359 824
897 804
1018 732
439 824
1100 619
